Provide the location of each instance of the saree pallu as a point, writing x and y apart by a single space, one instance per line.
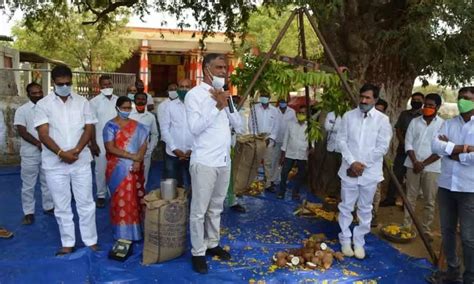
126 186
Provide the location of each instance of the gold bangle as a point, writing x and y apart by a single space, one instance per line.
58 153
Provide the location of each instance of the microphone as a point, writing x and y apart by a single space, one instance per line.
229 100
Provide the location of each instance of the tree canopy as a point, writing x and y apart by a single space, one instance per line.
60 34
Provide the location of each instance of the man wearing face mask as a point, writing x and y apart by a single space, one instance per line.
287 116
131 91
401 127
423 166
176 135
209 117
294 150
65 122
364 138
103 107
140 86
163 114
141 114
455 144
267 120
30 152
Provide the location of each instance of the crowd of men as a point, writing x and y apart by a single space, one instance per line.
62 132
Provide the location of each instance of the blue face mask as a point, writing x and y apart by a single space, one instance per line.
131 96
283 105
123 114
264 100
365 107
62 91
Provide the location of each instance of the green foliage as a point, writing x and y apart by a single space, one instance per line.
449 95
60 35
279 79
266 23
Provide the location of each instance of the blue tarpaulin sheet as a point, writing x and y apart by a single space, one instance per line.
253 237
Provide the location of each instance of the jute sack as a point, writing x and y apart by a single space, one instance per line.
166 222
249 152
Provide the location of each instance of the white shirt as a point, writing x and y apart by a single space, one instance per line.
149 100
295 142
268 120
148 119
66 125
104 109
365 140
455 176
243 129
174 128
161 112
25 116
332 125
286 118
418 138
210 127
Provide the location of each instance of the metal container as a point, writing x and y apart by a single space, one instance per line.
168 189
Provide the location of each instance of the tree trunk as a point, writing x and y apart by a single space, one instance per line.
353 36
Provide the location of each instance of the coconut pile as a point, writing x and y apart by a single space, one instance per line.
315 254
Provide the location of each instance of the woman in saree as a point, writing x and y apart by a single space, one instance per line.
125 144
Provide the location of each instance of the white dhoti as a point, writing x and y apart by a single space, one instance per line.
100 168
30 169
363 195
270 164
60 182
209 191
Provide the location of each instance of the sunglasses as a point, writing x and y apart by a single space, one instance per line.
63 84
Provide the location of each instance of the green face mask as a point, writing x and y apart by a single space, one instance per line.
182 94
300 117
465 105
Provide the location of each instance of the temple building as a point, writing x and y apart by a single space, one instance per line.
164 56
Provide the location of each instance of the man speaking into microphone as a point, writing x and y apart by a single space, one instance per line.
208 115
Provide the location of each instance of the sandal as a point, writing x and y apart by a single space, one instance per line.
5 234
64 251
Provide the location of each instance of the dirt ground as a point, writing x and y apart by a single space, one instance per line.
416 248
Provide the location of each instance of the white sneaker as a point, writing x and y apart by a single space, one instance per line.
359 252
347 250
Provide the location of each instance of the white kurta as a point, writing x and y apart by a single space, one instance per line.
31 163
104 109
148 119
210 165
362 138
66 121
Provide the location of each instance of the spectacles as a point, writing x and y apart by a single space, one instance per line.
62 84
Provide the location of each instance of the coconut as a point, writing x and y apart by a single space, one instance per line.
307 256
327 260
310 265
323 246
281 262
295 260
339 256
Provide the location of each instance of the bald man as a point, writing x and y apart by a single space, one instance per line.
177 137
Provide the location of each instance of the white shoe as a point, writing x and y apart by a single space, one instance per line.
359 252
347 250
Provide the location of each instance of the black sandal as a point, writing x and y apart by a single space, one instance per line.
62 252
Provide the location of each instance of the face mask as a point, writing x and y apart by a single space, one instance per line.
131 96
217 82
123 114
182 94
140 108
416 105
301 117
264 100
365 107
107 91
427 111
62 91
283 105
172 95
465 105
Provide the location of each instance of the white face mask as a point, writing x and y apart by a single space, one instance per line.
107 91
217 82
172 95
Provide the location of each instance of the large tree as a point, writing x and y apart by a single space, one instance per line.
388 42
58 32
